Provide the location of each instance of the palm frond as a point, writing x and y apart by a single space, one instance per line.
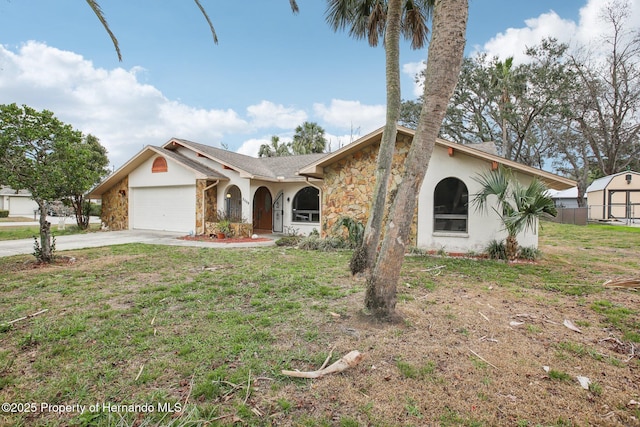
414 24
494 183
93 4
206 16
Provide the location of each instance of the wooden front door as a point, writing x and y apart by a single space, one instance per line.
262 215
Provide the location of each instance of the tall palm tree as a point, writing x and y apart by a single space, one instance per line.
275 149
519 207
309 138
443 67
372 19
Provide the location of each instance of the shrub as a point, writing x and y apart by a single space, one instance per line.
4 214
529 253
496 250
314 243
95 209
288 241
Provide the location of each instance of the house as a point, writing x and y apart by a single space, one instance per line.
615 197
181 185
567 199
17 202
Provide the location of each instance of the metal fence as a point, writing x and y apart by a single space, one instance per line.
627 213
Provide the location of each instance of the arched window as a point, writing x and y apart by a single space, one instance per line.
451 206
306 205
233 203
159 165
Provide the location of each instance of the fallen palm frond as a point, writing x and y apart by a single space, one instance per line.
627 283
349 360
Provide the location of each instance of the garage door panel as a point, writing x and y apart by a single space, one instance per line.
164 208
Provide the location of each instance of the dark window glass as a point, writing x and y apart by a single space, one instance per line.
306 205
451 206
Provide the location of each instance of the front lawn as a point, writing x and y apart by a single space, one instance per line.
159 335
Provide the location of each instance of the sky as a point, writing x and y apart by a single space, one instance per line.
271 71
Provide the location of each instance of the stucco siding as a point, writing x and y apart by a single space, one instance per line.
482 225
176 174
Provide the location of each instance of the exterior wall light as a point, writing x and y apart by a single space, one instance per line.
628 178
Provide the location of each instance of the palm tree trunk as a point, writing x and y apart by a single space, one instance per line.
443 67
369 249
511 247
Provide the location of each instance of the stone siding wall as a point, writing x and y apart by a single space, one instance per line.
210 204
115 206
348 185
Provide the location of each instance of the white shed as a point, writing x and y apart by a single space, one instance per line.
615 197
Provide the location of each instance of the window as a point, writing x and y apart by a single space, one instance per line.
451 206
159 165
306 205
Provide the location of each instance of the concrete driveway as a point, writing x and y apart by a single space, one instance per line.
108 238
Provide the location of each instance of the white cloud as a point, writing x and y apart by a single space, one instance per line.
514 41
587 32
267 114
251 147
122 112
412 69
354 115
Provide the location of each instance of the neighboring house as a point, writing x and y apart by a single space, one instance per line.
615 197
181 185
18 203
565 198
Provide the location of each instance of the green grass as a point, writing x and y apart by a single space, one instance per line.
623 318
132 325
15 232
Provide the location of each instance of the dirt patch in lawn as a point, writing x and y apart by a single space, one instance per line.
477 356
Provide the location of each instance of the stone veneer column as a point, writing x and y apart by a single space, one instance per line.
210 205
115 206
348 185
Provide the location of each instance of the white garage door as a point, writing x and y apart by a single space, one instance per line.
22 206
164 208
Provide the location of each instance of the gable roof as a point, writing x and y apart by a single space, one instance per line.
201 171
602 183
316 169
569 193
265 168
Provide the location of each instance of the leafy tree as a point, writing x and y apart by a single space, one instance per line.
520 207
275 149
441 75
33 145
372 19
498 101
84 164
607 107
309 138
410 113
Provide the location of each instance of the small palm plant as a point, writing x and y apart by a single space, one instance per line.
519 207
